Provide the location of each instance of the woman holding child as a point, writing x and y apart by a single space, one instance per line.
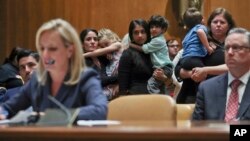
219 23
135 67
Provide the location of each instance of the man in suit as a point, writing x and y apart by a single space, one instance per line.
27 62
213 95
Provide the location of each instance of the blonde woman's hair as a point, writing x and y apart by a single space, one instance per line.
69 37
108 34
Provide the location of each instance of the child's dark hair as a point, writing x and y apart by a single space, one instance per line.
192 17
158 20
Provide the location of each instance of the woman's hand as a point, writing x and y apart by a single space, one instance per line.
210 50
198 74
212 45
2 115
159 74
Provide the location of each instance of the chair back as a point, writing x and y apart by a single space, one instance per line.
142 107
184 111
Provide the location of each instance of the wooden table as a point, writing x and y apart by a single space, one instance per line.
127 130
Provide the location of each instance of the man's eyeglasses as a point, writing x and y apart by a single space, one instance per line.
236 48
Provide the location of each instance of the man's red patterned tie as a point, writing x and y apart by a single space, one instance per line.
232 106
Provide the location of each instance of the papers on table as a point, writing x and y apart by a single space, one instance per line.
97 122
6 121
20 118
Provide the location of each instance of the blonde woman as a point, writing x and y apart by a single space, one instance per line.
61 74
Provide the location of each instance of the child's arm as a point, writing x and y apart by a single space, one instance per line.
139 48
102 51
203 37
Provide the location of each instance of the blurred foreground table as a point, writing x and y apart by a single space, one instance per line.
126 131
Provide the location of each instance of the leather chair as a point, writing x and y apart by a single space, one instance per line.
184 111
142 107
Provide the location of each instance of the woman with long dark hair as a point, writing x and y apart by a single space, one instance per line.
135 67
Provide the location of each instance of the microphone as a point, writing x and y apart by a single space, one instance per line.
62 107
61 116
33 118
52 116
51 61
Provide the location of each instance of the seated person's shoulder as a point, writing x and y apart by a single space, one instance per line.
89 72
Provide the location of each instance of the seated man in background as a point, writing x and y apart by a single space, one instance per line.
216 100
27 61
173 48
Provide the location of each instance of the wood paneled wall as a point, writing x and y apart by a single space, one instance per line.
20 19
239 10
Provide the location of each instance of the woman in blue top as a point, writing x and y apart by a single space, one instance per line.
62 74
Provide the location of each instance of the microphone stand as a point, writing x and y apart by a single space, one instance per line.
38 117
33 118
62 107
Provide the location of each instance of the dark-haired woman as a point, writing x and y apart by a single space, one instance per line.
135 67
9 73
